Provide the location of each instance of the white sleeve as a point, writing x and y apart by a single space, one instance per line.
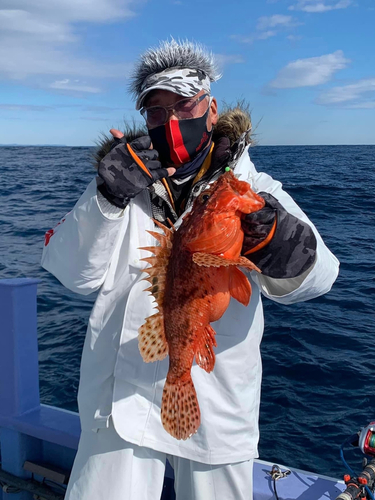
78 250
319 278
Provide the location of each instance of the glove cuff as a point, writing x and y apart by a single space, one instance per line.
264 242
115 200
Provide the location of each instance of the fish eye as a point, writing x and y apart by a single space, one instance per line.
204 197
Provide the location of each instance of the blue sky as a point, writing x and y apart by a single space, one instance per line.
307 67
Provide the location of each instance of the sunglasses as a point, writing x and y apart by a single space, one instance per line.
184 110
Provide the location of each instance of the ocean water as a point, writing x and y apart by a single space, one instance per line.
318 356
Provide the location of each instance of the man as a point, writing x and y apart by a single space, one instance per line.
123 447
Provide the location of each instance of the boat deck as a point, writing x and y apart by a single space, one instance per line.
299 485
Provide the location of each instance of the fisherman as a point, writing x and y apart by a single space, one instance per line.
123 447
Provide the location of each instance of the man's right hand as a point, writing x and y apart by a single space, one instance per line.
128 169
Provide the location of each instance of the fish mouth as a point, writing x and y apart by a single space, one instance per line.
245 195
248 201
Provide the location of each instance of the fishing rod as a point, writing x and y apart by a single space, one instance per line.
360 486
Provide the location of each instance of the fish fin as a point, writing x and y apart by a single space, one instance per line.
204 354
245 262
162 239
239 286
165 229
209 260
159 263
151 339
180 414
173 227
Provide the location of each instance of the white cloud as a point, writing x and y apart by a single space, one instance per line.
32 62
360 94
266 34
74 86
24 107
294 38
264 23
21 22
243 39
267 27
310 72
67 11
363 105
318 6
38 39
225 59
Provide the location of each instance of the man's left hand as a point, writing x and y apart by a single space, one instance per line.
279 243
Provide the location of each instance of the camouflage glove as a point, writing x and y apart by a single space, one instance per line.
128 169
281 245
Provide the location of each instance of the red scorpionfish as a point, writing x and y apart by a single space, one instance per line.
193 274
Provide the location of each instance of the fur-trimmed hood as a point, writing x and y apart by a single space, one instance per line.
233 122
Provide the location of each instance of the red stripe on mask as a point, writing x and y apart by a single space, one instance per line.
176 144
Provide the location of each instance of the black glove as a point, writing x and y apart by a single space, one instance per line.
279 243
128 169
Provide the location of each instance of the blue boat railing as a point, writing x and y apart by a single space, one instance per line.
30 431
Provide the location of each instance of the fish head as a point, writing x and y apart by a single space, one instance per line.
214 223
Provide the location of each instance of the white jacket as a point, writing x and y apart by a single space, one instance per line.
90 251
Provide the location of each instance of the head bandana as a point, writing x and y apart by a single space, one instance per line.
182 81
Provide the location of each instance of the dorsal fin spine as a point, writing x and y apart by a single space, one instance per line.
159 262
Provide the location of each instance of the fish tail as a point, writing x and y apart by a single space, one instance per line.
180 412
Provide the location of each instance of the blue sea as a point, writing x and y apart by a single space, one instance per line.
318 356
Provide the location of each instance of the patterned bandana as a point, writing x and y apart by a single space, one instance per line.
182 81
192 167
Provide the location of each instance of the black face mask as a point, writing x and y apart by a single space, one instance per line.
179 141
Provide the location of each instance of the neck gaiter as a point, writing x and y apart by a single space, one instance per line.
179 141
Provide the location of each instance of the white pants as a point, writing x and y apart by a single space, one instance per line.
108 468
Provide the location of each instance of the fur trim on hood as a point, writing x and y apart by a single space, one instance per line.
233 122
